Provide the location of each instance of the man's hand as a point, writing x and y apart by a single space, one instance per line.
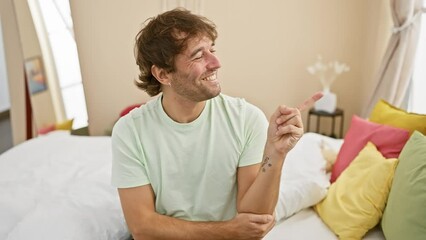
286 126
252 226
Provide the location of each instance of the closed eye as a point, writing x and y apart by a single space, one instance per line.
197 55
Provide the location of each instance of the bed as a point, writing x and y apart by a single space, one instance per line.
57 186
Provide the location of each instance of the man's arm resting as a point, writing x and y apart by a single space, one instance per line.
258 185
144 223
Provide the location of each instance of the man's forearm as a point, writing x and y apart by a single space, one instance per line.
284 131
157 226
145 223
262 196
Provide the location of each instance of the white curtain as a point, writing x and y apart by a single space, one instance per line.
396 69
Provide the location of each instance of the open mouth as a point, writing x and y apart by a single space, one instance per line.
210 78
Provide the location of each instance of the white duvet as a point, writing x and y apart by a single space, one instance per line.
58 187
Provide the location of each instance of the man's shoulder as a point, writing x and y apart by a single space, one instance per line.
137 113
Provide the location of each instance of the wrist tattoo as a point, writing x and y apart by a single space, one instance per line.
265 163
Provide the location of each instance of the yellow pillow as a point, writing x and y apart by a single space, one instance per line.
385 113
67 125
355 202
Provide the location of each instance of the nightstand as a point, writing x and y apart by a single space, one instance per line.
338 113
84 131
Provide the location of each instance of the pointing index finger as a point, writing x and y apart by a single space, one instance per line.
308 103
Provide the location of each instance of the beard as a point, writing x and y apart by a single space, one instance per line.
197 91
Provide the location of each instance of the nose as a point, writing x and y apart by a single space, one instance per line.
213 62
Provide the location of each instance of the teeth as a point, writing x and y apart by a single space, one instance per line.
211 78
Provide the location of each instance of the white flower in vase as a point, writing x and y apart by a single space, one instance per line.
327 74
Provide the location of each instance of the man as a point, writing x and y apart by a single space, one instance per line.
194 163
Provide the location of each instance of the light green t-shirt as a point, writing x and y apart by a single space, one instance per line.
191 167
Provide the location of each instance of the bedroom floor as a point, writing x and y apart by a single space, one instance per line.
6 141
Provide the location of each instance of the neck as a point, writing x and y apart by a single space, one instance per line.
182 110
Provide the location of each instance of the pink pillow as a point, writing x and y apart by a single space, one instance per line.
388 140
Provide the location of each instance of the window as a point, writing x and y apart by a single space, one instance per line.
4 86
58 25
417 98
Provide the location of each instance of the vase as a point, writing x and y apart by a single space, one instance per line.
327 103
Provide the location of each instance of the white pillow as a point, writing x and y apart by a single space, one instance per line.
304 181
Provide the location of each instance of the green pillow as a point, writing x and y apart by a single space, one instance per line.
405 214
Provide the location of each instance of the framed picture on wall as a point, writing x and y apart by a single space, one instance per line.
35 75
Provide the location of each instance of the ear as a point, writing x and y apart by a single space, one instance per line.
161 75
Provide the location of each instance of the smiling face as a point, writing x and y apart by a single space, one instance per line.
195 78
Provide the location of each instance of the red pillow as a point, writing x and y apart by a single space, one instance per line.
388 140
47 129
129 108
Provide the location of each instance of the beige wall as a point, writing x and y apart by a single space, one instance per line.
104 32
378 30
264 47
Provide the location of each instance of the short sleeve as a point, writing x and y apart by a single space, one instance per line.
128 163
255 133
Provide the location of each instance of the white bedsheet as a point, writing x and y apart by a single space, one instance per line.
58 187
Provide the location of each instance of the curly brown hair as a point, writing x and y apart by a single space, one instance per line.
164 37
